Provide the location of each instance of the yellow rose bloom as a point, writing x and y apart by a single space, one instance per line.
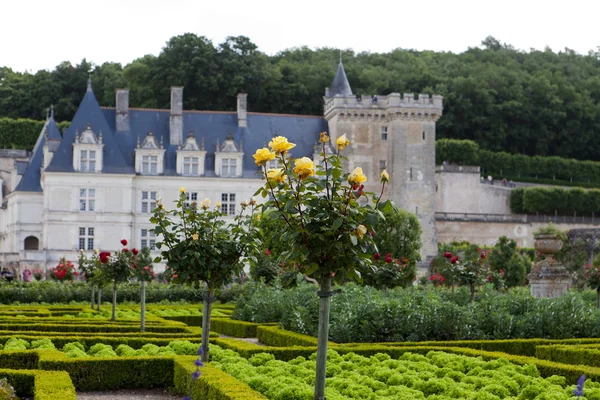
262 156
385 177
218 205
258 217
195 236
276 174
181 189
357 177
360 231
280 145
342 142
324 137
205 204
304 167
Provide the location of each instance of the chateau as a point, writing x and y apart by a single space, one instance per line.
98 182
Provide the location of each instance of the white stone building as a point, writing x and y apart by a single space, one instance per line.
98 182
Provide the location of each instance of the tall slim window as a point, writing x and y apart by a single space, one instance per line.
148 201
381 166
190 165
191 197
150 165
228 167
148 239
87 199
228 203
87 161
384 133
86 237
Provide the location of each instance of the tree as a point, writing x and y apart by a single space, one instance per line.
506 260
201 246
117 268
143 271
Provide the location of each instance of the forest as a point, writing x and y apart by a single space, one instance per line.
534 102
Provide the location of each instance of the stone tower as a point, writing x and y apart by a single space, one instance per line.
392 132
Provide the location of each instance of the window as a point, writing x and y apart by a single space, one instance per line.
148 201
148 239
381 166
191 197
228 167
87 199
190 165
384 133
150 165
86 236
87 161
228 203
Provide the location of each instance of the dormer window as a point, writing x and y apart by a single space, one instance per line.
149 156
87 151
190 157
228 158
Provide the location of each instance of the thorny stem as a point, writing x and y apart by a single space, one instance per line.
326 176
275 198
297 196
380 196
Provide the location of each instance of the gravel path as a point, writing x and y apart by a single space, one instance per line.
156 394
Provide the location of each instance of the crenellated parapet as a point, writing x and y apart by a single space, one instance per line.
390 107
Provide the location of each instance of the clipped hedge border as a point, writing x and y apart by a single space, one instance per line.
247 350
38 335
88 341
569 354
235 328
213 384
91 328
41 385
275 336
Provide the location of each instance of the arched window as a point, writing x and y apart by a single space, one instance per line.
32 243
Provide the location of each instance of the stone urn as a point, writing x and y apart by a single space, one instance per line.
548 277
548 244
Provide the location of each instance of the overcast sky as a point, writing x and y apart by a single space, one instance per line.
40 34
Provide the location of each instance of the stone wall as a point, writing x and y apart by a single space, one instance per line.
487 233
459 190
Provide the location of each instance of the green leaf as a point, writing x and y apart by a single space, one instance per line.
336 224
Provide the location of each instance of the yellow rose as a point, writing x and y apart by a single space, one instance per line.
280 145
258 217
218 205
304 167
181 189
324 137
360 231
195 236
276 174
262 156
97 251
342 142
205 204
357 177
385 177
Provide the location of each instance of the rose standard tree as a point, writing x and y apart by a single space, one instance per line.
201 246
330 233
116 268
90 270
143 272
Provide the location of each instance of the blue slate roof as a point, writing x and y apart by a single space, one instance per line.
119 147
340 84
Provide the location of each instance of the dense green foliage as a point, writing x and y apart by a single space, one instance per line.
22 133
536 102
545 200
506 260
362 314
437 375
550 170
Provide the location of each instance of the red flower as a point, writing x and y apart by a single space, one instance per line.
489 278
124 242
135 251
483 255
448 254
76 273
174 276
267 252
388 258
454 260
372 233
134 266
146 268
125 250
376 256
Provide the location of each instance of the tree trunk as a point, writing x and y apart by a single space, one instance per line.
114 302
93 297
472 288
598 297
206 311
99 297
325 295
143 307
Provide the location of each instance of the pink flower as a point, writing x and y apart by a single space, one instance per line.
267 252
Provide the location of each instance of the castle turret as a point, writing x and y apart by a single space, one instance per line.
395 133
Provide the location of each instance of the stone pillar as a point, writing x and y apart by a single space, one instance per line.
242 108
548 278
176 118
122 110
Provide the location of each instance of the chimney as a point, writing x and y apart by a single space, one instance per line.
122 115
242 105
176 120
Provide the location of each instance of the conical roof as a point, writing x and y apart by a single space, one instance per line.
340 84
